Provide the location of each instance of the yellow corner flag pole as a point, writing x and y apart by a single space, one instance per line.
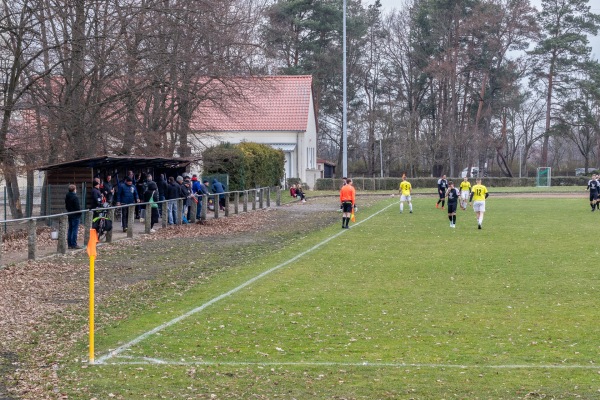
91 250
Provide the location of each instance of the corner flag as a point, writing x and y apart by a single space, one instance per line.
91 246
91 250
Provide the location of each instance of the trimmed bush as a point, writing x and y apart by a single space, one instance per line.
265 165
248 165
223 159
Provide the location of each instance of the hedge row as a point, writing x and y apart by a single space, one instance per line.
417 183
248 165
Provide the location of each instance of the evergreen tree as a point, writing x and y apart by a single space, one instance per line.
562 51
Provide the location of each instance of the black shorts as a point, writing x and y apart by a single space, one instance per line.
452 208
347 206
442 195
593 196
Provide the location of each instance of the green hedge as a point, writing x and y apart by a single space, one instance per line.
223 159
248 165
265 165
419 183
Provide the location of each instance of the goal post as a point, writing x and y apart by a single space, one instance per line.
544 176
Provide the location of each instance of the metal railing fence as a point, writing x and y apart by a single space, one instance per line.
58 223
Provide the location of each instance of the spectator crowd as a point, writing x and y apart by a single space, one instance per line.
132 189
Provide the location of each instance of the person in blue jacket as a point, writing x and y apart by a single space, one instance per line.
218 187
127 194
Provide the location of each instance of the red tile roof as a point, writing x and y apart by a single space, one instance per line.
271 103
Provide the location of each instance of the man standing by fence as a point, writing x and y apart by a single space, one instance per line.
72 204
127 194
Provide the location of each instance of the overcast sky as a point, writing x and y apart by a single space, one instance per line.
594 41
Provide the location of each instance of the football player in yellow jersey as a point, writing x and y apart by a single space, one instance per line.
478 195
465 193
405 192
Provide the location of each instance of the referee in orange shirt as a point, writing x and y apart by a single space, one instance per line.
347 196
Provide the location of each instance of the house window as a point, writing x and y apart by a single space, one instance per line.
311 162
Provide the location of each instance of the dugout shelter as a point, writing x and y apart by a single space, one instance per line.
82 172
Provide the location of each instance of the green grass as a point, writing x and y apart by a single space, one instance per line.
400 306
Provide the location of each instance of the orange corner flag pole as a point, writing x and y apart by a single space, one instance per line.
91 250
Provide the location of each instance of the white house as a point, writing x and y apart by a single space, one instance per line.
274 110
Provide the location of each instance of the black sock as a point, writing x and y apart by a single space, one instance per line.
450 218
454 219
438 201
443 202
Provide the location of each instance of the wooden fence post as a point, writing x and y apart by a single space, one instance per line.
147 218
204 207
193 210
216 204
236 204
111 216
31 240
165 214
261 193
246 194
253 199
61 246
227 204
278 201
179 217
130 220
269 197
87 225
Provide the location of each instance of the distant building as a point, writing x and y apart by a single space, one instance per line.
326 168
275 110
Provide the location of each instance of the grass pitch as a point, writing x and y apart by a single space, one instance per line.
400 306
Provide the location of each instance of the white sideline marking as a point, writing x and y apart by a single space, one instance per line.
149 361
159 328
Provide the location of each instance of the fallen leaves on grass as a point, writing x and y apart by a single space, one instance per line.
33 292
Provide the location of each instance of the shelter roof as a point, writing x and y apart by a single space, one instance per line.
121 161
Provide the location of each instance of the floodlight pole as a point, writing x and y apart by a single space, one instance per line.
381 156
520 158
344 112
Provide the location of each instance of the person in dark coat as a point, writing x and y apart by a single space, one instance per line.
186 189
72 204
218 187
162 185
151 196
97 198
108 190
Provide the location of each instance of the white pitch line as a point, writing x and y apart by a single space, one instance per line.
174 321
148 361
